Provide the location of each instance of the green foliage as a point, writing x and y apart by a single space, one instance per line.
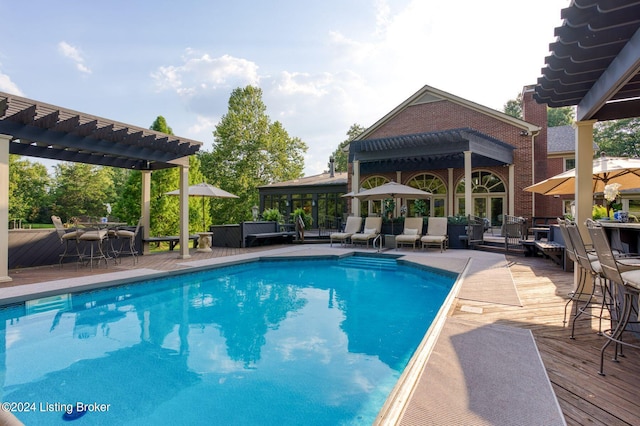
82 190
560 116
420 207
618 138
513 107
341 158
458 220
249 151
388 207
306 217
598 212
28 196
272 215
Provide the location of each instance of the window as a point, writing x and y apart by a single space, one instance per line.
569 163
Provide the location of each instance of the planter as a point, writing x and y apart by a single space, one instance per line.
454 232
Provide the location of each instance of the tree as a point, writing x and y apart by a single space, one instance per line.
618 138
561 116
28 186
341 158
82 190
513 107
165 209
249 151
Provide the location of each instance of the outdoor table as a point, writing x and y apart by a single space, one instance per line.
624 237
204 242
540 232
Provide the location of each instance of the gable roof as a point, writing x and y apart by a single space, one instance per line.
48 131
562 139
431 94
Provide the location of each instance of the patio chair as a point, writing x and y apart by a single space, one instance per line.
436 234
626 293
351 227
587 262
128 243
411 233
372 227
66 235
95 238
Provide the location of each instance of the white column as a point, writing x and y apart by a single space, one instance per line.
584 174
5 140
145 209
355 188
512 190
398 201
468 205
451 193
184 211
584 185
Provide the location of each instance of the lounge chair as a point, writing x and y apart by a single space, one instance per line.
436 233
351 227
372 227
411 233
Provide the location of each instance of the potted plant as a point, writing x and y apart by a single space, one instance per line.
420 207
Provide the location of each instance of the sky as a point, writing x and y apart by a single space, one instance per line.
322 66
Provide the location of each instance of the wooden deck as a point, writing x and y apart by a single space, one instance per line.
584 396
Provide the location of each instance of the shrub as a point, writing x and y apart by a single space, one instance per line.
272 215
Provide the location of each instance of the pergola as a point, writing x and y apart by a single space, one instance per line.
594 65
455 148
37 129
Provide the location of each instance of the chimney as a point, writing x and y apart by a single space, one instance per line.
332 169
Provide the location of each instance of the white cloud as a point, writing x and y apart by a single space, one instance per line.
8 86
73 53
198 74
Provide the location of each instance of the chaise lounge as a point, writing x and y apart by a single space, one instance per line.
372 227
411 233
351 227
436 234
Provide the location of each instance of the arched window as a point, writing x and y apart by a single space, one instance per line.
436 204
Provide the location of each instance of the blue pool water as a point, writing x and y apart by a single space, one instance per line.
277 342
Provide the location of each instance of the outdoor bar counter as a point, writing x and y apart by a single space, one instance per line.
623 236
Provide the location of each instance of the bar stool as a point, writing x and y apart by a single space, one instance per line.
627 286
582 274
590 264
95 239
65 238
128 243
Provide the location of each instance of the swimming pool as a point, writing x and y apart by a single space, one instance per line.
272 342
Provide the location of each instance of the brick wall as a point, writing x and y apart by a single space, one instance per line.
447 115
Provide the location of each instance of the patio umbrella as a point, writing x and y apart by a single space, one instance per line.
205 190
606 170
391 190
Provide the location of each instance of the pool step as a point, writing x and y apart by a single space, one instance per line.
381 263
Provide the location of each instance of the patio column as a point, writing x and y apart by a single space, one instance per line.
145 209
355 188
584 174
184 211
451 193
5 140
468 204
584 185
512 190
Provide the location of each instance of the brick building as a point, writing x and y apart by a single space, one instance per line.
437 141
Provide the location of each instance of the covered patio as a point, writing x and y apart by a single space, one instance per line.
36 129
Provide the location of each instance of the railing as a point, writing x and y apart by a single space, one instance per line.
514 231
